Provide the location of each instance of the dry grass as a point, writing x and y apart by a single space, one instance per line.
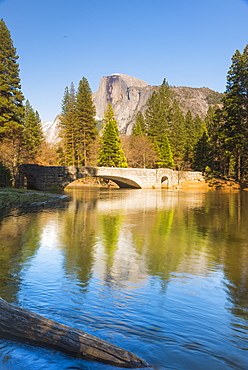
10 197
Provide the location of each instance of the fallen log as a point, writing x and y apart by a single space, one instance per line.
26 326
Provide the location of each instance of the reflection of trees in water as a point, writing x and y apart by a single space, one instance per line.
78 237
164 237
20 239
19 243
170 238
225 221
150 236
110 228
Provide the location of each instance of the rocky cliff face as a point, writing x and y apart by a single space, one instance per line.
197 100
127 95
51 130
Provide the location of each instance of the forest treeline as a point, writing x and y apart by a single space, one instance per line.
161 137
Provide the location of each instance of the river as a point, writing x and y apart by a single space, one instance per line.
161 273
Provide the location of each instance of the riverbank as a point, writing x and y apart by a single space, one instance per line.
15 198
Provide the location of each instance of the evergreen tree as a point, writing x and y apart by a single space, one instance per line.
164 152
157 119
213 123
157 113
177 134
11 97
210 119
189 137
202 153
235 110
33 135
85 131
111 153
139 126
199 128
68 127
11 104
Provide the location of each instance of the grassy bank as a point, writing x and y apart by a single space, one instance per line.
10 197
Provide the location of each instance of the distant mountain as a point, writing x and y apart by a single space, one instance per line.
51 130
196 99
128 95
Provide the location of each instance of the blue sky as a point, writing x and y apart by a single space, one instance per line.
190 43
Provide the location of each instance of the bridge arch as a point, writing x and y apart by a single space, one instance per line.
165 181
122 182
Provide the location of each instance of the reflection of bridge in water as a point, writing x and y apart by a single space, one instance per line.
42 177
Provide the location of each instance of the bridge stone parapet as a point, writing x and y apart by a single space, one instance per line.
38 177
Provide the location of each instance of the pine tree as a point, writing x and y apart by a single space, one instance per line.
189 137
219 156
199 127
235 110
157 117
202 153
139 126
209 118
157 113
111 153
177 134
154 122
11 104
164 152
86 131
11 97
33 135
68 127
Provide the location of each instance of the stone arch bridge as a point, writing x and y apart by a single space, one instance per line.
38 177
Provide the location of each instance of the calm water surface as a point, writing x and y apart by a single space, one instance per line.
163 274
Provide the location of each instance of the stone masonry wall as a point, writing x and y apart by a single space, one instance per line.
40 177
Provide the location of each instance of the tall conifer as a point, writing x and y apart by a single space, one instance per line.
33 135
235 110
189 137
111 153
164 152
11 104
202 153
11 97
85 112
177 134
157 113
68 127
139 126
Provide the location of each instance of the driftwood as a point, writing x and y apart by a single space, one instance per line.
26 326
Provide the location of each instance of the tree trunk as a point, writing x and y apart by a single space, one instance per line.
26 326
